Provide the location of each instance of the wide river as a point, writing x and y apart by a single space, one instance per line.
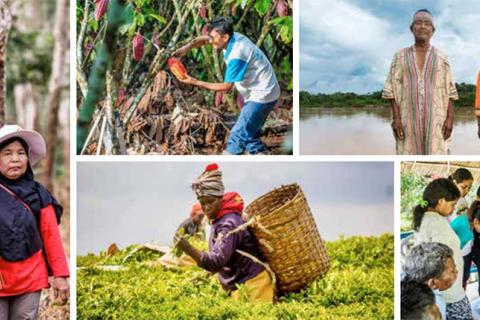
367 131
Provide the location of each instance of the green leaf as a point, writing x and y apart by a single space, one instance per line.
262 6
140 19
286 33
158 18
284 26
128 14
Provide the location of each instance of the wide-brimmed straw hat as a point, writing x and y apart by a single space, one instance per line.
36 144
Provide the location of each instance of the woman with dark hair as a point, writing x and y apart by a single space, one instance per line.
431 225
463 179
30 243
459 220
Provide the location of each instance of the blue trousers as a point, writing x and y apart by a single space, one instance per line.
246 133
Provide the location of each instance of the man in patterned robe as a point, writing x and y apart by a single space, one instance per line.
421 89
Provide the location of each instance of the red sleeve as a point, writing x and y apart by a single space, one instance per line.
53 243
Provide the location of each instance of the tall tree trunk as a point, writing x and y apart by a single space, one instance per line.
5 24
58 77
27 101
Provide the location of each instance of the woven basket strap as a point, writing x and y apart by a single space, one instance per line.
252 222
264 264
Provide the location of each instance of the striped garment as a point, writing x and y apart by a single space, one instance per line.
423 97
420 111
209 184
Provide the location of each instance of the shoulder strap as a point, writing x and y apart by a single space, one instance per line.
10 192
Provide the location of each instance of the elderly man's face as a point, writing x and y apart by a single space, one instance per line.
422 26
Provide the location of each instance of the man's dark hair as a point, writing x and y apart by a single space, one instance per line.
223 25
416 301
418 11
423 10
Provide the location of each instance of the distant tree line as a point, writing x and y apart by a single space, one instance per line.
466 93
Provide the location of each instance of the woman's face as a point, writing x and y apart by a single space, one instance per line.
210 206
476 225
445 207
464 187
13 161
448 276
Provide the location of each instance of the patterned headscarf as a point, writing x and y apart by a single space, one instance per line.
209 183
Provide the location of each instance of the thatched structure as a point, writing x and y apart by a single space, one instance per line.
439 168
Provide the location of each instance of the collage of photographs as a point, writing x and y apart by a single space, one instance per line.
239 159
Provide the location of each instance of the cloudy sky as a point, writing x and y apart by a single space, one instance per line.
347 45
126 203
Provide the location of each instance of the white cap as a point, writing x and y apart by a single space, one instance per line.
36 144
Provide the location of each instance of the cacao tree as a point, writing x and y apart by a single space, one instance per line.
140 107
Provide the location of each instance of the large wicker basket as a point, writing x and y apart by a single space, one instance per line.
288 237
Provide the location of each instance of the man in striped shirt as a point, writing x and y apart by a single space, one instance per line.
421 89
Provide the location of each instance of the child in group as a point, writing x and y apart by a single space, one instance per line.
459 220
431 225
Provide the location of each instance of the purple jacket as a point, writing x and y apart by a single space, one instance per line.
231 266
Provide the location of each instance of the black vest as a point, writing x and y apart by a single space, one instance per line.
19 234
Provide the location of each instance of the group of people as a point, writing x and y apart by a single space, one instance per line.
421 91
447 241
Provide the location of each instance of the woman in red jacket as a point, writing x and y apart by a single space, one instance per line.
30 243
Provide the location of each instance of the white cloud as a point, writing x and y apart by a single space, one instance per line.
345 47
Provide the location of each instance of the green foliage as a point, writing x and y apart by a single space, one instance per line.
149 18
284 26
29 58
96 81
262 6
411 191
358 285
341 99
466 93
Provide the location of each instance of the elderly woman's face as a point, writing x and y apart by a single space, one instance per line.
448 276
210 206
13 160
422 26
